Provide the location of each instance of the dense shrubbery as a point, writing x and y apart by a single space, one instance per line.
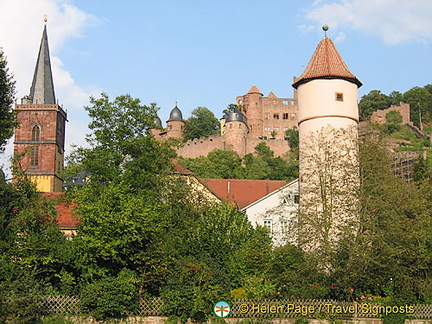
145 233
262 165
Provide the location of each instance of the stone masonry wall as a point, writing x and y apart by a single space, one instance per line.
378 116
201 146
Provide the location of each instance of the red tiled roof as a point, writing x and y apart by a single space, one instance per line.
254 89
65 212
326 62
242 192
179 169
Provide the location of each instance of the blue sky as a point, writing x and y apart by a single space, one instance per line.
205 53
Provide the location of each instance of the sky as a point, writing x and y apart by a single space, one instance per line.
208 52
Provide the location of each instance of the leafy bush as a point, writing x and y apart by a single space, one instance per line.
111 297
177 303
21 301
393 117
391 128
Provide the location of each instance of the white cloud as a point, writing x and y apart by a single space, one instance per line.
394 21
21 22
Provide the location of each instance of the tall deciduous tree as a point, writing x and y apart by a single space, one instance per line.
390 255
128 171
7 94
420 101
373 101
328 192
202 123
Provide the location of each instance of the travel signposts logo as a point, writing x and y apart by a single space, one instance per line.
222 309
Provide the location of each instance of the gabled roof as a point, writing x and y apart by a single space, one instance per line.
326 63
254 89
42 89
272 95
242 192
292 183
179 169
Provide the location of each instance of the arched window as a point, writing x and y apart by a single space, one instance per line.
35 133
34 156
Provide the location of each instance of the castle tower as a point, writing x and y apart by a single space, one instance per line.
175 123
252 107
236 130
328 118
41 131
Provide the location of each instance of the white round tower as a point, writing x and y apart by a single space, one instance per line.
327 94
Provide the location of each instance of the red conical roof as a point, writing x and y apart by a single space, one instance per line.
326 63
254 89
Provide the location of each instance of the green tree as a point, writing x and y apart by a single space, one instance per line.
328 210
202 123
7 94
393 121
257 169
263 151
120 147
228 163
389 253
201 166
231 107
420 101
396 98
35 256
393 117
219 164
295 276
112 296
120 206
292 135
265 166
373 101
421 171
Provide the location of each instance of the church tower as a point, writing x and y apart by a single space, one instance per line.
41 131
328 119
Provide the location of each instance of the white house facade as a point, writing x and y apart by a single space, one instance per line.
276 211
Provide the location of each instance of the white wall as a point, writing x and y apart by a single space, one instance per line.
278 208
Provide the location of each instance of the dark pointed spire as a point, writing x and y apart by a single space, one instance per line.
42 89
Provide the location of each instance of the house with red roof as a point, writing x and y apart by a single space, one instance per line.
269 203
67 219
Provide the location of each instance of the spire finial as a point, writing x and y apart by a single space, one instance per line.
45 18
325 28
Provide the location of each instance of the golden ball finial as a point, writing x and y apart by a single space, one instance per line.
325 28
45 18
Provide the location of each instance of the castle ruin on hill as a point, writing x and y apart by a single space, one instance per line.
258 119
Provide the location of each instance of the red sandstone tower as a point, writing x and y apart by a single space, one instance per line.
41 131
236 131
252 107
